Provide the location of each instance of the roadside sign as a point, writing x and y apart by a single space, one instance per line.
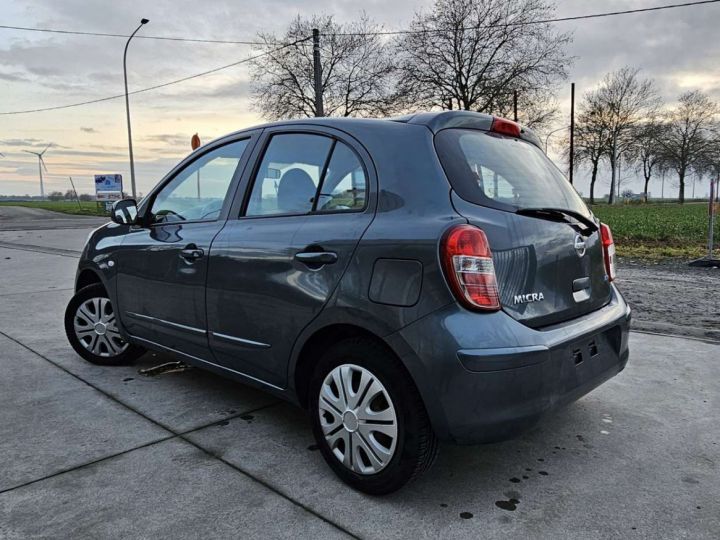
108 187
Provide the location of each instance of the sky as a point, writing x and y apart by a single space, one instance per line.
677 48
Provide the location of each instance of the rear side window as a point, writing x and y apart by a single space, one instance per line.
503 172
303 173
289 174
345 184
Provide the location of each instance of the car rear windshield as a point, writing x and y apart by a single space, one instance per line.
503 172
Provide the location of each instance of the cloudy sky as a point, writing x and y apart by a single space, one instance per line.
678 48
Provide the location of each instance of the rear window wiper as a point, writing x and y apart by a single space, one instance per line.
561 213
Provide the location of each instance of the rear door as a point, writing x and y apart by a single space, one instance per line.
273 269
549 265
162 265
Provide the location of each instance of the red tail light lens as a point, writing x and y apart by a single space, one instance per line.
506 127
608 251
469 268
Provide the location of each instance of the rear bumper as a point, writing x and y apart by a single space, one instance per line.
486 377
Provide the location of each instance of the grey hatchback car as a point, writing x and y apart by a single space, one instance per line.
407 280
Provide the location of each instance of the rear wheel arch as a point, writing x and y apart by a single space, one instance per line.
318 343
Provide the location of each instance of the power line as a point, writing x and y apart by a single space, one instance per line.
157 86
389 32
106 34
527 23
395 32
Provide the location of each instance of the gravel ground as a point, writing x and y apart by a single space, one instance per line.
672 297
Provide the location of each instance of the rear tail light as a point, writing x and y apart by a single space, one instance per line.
505 127
469 268
608 251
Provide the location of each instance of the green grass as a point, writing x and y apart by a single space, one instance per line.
656 231
87 208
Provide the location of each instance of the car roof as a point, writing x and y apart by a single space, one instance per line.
434 120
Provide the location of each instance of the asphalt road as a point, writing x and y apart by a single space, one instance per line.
20 218
89 452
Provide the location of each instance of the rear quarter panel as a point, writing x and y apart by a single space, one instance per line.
413 211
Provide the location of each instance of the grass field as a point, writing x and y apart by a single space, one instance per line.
655 231
87 208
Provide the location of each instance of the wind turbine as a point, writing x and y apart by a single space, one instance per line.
41 165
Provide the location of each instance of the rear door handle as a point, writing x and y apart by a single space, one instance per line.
316 257
192 253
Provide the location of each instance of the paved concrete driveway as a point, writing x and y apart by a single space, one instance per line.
88 452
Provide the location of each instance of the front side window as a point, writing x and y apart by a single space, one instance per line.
199 191
503 172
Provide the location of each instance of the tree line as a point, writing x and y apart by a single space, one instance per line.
624 119
460 54
482 55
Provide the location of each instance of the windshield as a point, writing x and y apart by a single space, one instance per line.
503 172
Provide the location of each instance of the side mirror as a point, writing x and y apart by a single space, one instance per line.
124 212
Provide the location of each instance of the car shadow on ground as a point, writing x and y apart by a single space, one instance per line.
276 445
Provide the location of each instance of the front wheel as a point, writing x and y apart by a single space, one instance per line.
368 418
91 329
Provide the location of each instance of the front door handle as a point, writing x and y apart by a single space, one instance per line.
192 253
316 257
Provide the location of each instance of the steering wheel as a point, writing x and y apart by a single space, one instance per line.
163 214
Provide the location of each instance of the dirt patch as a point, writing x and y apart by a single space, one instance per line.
670 297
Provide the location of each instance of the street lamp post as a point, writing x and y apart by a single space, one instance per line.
127 107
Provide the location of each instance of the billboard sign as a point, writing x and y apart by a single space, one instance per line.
108 187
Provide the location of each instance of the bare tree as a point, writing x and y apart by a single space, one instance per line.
591 140
473 54
357 70
708 161
688 134
622 101
645 150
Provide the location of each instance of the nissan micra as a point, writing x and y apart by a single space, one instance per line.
407 280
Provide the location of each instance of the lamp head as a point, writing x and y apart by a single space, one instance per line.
144 21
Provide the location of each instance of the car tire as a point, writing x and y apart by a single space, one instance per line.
92 331
360 394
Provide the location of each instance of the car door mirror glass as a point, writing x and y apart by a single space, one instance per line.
124 212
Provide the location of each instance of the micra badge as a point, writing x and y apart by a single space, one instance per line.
528 298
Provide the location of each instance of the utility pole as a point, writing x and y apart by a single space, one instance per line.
662 186
515 116
572 131
613 176
317 73
75 191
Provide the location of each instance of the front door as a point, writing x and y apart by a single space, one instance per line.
162 265
272 270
